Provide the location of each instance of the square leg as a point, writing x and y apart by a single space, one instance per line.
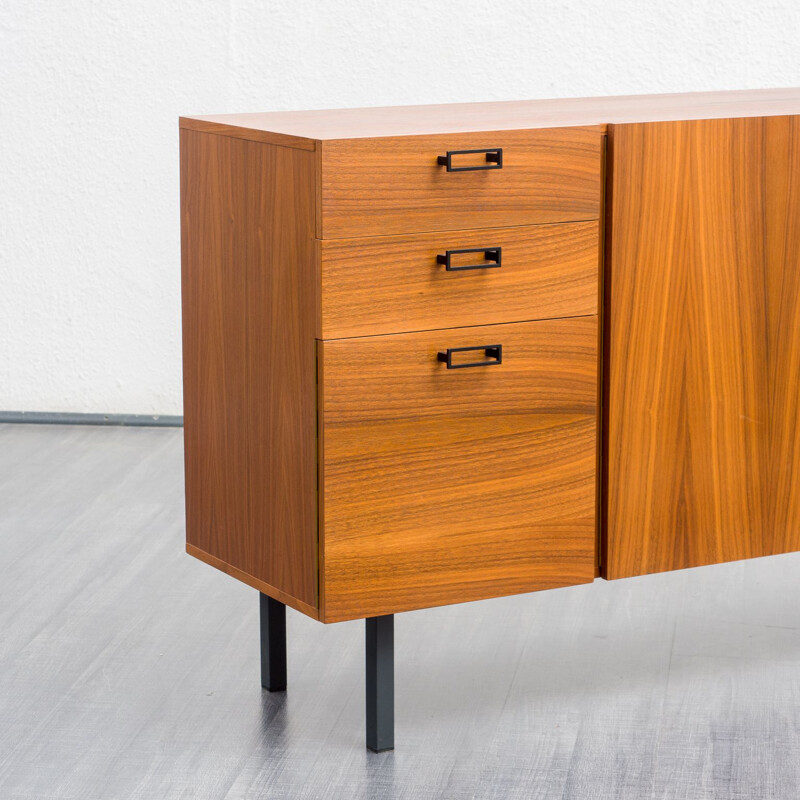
273 644
380 683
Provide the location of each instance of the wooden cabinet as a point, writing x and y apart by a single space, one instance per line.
393 352
332 460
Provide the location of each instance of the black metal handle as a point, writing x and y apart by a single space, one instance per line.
493 255
494 352
494 159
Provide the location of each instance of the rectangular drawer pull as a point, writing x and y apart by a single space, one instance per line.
493 256
493 352
494 159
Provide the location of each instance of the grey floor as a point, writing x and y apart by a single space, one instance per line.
130 670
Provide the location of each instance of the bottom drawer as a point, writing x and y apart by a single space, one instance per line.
442 483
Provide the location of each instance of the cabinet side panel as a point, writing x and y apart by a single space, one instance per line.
247 220
702 348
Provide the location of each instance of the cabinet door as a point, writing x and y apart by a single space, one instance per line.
702 354
440 485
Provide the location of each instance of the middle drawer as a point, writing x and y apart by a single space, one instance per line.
393 284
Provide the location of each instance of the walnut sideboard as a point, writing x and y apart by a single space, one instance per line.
438 354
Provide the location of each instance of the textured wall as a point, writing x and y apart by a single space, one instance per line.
91 92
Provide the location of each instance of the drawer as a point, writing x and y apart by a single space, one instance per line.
441 485
391 284
372 187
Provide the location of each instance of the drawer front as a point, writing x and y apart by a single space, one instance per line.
442 485
391 284
372 187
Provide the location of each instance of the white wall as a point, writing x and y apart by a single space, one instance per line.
90 92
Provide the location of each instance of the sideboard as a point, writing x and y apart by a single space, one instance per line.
443 353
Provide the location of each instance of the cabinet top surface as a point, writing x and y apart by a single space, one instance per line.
304 128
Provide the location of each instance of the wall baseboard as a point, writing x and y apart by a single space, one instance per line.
68 418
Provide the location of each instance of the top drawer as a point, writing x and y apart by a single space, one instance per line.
389 185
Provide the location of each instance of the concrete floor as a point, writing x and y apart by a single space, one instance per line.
130 670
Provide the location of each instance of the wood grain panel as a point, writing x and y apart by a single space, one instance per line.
391 185
346 123
247 214
391 284
703 349
442 486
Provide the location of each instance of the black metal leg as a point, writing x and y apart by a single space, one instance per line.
380 683
273 644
